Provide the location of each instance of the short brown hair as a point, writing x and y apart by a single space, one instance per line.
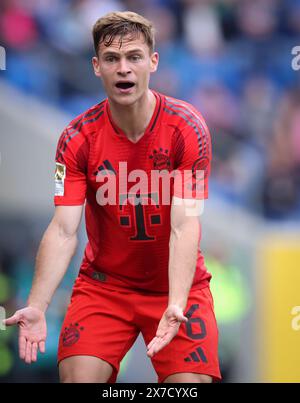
121 24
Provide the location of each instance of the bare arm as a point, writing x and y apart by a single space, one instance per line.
55 252
56 249
183 249
182 264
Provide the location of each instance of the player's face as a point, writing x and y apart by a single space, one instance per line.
125 71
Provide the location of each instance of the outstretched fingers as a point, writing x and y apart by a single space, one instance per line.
28 352
157 344
151 344
34 350
42 347
22 347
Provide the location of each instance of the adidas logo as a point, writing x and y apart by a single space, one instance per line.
196 356
105 166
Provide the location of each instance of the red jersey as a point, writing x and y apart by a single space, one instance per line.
128 241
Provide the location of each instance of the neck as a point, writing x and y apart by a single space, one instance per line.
134 119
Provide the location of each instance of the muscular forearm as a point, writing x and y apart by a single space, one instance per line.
182 262
53 258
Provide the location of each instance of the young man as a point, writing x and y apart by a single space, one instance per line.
142 270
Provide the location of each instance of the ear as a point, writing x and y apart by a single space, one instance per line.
96 66
154 59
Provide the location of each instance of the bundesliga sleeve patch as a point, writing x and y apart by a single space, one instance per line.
60 174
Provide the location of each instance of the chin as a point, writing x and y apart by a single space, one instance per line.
125 100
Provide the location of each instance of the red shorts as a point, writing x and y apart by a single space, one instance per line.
105 323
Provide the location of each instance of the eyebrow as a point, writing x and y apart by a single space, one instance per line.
112 53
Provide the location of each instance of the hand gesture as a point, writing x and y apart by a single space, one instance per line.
32 332
167 329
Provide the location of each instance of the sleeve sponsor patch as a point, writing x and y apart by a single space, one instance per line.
60 174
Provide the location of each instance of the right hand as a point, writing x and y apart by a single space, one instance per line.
32 332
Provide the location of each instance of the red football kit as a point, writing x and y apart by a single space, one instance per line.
130 243
128 228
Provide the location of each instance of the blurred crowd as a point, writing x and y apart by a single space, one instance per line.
231 58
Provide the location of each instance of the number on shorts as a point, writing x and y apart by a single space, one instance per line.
188 324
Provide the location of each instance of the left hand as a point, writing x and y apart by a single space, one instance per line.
167 329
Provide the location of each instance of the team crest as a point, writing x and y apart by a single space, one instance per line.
161 159
201 164
71 334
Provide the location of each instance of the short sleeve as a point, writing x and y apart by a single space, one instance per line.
71 169
193 153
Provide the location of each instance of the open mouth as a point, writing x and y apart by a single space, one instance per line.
125 85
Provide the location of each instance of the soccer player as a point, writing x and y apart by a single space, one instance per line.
142 269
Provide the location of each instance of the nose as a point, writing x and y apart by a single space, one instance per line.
123 68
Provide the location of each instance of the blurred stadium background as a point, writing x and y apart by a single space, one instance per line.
233 60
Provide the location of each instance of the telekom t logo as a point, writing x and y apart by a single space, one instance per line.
139 215
2 58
